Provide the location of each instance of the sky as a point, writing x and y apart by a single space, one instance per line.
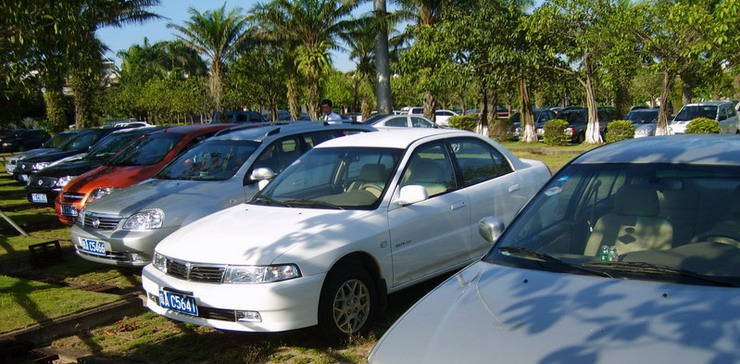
176 11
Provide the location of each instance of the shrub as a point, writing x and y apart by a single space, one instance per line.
464 122
500 129
619 130
702 126
555 132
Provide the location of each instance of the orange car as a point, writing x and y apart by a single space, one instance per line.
139 162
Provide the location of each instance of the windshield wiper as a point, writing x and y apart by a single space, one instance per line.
264 200
312 203
648 268
526 252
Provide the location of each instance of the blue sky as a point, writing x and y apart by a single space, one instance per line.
176 11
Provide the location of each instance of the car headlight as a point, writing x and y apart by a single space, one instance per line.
62 181
100 192
160 262
145 220
260 274
40 165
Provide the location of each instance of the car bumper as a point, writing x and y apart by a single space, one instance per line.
282 306
123 248
42 196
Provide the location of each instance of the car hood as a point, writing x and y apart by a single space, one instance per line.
32 152
51 156
181 201
69 168
252 234
112 176
495 314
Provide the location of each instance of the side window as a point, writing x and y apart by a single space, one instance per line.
397 122
722 113
420 123
430 167
478 161
279 155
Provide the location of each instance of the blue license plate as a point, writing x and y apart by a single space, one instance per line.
91 246
39 198
69 210
178 302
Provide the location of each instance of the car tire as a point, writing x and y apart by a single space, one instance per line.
581 138
348 302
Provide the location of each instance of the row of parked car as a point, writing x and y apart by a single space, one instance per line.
631 252
644 119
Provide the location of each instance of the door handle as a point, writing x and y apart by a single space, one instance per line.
457 205
513 188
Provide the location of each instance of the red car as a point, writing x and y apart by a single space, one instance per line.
139 162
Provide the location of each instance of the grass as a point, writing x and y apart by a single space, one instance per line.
152 338
24 302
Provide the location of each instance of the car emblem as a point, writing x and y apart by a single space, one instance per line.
96 223
41 182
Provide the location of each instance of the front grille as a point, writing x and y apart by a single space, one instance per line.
22 167
195 272
100 221
37 181
117 256
72 197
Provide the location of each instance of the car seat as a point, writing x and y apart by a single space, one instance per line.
633 224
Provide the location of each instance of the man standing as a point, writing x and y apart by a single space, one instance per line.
326 111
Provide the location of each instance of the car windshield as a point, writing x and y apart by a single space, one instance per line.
110 145
210 160
333 178
81 141
675 223
689 113
147 151
642 116
58 139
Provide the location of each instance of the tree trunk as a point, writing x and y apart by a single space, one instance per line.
621 101
293 107
383 82
216 84
430 103
85 85
492 105
313 97
686 93
54 101
663 113
527 120
593 135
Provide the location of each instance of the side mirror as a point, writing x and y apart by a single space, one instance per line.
262 174
411 194
490 228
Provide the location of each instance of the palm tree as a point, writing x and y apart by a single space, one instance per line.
217 35
311 28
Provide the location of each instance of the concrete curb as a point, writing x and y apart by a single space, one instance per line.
44 332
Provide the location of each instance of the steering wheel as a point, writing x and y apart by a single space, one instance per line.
372 188
719 236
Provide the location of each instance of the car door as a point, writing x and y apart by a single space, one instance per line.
426 236
491 184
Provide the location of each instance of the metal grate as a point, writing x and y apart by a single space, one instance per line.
43 181
71 197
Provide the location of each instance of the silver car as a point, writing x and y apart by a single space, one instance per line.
723 112
630 254
124 227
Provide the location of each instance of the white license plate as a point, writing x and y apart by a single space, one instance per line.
23 177
91 246
178 302
69 210
39 198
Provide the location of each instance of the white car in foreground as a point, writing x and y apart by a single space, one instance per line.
630 254
352 220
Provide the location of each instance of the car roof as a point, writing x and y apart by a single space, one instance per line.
187 129
709 149
261 132
396 138
710 103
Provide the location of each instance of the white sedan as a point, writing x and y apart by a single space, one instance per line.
352 220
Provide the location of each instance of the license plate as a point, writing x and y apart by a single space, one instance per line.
178 302
23 177
91 246
9 168
69 210
39 198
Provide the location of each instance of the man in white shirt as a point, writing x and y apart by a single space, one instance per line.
326 111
